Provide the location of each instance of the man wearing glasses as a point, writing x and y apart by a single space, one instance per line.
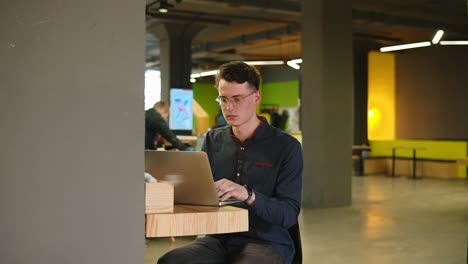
258 165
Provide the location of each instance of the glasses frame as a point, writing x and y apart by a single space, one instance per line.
235 100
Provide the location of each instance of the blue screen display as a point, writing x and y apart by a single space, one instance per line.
181 113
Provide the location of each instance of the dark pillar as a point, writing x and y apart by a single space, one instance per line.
175 54
327 102
360 62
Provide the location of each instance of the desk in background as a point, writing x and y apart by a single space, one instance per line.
360 150
190 140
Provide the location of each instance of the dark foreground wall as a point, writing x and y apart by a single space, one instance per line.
71 137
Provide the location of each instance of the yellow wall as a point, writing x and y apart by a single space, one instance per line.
381 97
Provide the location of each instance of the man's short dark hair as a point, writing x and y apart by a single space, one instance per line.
239 72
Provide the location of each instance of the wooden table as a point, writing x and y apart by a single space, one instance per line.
360 149
189 220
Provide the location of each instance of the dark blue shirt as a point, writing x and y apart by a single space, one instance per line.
270 162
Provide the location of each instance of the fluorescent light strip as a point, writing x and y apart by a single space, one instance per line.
406 46
293 65
272 62
214 72
203 74
296 61
454 42
438 35
208 73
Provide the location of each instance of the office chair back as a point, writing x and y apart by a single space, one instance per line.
295 234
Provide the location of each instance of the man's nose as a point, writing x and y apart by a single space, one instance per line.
229 105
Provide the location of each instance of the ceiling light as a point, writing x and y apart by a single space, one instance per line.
208 73
203 74
193 80
271 62
294 63
406 46
297 60
164 6
438 35
454 42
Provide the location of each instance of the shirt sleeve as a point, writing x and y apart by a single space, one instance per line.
284 207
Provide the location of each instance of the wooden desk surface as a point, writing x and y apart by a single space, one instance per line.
191 140
189 220
360 147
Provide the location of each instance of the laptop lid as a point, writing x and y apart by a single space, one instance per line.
190 173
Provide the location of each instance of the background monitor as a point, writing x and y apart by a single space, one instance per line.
181 113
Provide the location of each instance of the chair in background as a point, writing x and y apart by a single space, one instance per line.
295 234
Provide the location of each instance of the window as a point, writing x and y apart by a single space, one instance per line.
152 88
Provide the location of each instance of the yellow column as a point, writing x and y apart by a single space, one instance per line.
381 96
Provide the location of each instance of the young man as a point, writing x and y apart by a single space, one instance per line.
155 124
256 164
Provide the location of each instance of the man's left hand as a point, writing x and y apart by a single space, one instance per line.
227 189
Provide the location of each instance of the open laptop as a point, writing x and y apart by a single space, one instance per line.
189 172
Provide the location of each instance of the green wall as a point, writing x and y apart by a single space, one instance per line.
281 94
205 94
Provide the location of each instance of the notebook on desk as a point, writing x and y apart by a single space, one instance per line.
189 172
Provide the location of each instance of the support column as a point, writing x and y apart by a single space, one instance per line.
175 54
327 102
72 132
360 62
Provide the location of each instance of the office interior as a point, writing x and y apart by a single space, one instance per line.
72 105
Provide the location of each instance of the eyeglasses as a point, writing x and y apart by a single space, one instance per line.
235 100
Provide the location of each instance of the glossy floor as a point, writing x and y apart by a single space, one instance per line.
391 220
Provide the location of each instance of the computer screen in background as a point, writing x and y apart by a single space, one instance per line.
181 113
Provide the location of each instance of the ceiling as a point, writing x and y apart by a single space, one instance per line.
270 29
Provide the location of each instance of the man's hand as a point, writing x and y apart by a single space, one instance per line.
226 189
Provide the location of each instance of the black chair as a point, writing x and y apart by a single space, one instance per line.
296 238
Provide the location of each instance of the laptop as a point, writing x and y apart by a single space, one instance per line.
189 172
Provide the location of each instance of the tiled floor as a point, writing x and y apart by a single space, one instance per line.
392 220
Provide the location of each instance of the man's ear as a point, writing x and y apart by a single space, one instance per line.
258 97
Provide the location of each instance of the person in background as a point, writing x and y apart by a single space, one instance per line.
219 120
257 164
156 124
